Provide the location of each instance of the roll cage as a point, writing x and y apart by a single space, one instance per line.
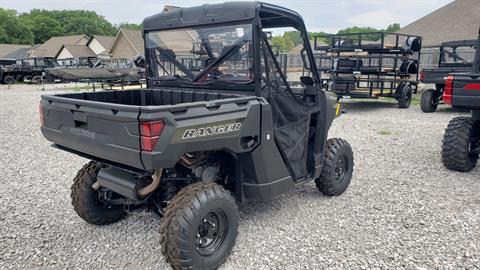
259 15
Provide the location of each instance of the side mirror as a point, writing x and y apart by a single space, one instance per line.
307 80
139 61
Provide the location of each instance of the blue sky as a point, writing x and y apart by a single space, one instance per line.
320 15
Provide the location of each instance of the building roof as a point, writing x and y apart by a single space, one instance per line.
18 54
52 47
7 49
134 38
106 41
78 51
455 21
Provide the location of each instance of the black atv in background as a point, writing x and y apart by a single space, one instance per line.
454 57
28 70
461 143
216 126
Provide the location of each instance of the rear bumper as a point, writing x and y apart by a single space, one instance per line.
111 152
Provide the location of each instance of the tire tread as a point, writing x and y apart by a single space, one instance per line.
455 144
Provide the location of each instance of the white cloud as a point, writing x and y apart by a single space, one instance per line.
377 19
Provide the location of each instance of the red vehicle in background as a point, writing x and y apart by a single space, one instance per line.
461 143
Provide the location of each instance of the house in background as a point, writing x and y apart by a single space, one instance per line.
8 49
455 21
458 20
127 45
52 47
100 45
10 53
80 55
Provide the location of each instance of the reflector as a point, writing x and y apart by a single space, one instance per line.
150 132
447 92
151 129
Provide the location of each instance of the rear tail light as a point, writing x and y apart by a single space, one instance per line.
422 75
40 115
149 134
448 91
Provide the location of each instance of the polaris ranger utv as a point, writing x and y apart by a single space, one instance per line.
461 143
454 57
219 124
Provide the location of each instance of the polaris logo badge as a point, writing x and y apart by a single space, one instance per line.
211 131
82 132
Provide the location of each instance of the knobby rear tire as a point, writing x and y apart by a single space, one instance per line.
457 143
85 199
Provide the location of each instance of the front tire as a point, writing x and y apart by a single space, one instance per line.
9 80
337 168
37 79
461 138
85 199
429 101
199 227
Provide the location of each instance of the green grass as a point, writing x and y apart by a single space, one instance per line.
416 99
385 132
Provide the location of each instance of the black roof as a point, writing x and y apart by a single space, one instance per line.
459 43
221 13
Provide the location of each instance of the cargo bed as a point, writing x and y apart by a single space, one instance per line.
105 125
437 75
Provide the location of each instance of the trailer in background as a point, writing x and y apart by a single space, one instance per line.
359 68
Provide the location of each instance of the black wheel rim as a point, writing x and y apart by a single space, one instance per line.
341 168
211 232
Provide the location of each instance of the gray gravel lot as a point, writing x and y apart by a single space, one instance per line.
403 209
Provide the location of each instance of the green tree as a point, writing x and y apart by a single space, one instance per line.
322 36
42 27
356 29
284 44
131 26
66 22
294 36
394 27
11 30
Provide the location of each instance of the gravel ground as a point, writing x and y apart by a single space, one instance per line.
402 210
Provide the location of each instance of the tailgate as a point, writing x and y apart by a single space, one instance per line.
437 75
466 91
106 131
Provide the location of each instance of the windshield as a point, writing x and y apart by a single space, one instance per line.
46 62
202 55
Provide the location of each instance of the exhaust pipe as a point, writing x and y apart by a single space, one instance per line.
126 183
157 175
